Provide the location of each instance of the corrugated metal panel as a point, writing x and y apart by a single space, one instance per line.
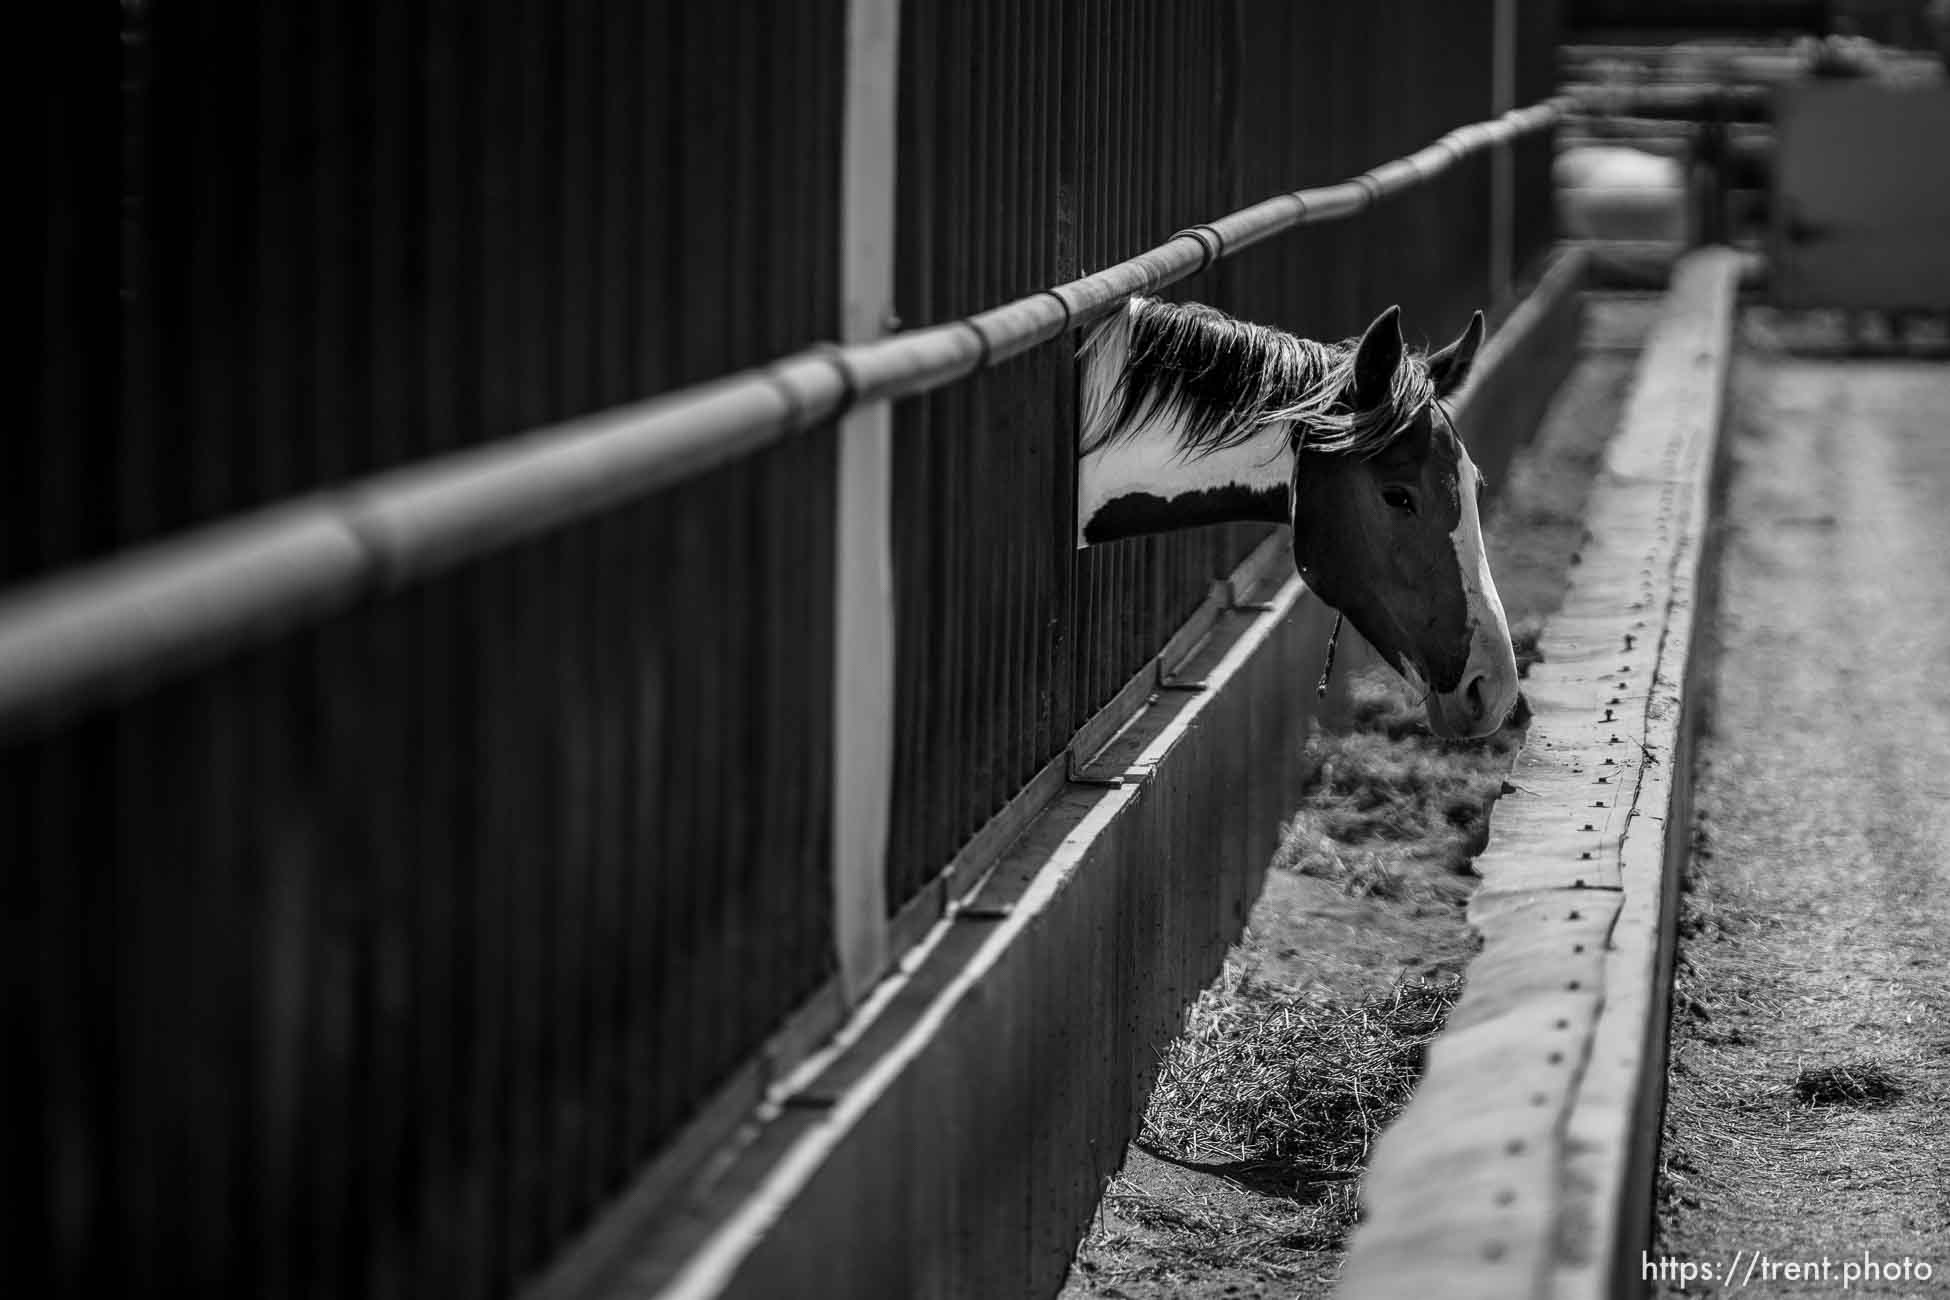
374 962
978 515
66 148
1066 143
336 219
1308 117
408 940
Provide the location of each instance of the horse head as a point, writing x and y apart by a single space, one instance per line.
1387 530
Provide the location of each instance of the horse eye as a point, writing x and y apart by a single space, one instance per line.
1398 499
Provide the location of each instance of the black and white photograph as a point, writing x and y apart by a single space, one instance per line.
979 650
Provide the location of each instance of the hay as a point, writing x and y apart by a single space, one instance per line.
1269 1102
1854 1083
1736 1115
1286 1090
1281 1098
1264 1077
1388 793
1204 1236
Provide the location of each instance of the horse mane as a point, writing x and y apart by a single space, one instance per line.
1218 382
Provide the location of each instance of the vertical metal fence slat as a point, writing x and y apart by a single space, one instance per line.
490 1188
397 131
428 917
606 1157
576 1121
647 963
131 489
579 1181
989 244
266 382
1015 281
529 592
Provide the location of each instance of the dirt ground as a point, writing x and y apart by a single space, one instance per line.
1808 1114
1352 911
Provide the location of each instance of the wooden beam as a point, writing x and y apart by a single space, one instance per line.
863 600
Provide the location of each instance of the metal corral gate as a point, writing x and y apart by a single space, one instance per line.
383 899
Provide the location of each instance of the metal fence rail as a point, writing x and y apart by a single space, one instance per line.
183 602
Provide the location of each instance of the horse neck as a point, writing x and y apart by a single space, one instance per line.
1144 482
1143 474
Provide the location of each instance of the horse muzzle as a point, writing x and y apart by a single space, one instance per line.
1475 709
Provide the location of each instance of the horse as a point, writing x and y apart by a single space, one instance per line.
1188 416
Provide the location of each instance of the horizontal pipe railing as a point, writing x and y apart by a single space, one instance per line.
1744 101
119 626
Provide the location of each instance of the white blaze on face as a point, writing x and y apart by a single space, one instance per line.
1147 460
1490 653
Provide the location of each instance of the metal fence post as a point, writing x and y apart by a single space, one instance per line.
863 668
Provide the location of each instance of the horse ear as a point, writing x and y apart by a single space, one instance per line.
1450 367
1375 361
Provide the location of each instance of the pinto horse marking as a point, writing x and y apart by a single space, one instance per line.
1191 417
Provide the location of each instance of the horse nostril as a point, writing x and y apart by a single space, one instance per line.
1473 697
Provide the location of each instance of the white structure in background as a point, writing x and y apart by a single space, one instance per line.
1623 193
